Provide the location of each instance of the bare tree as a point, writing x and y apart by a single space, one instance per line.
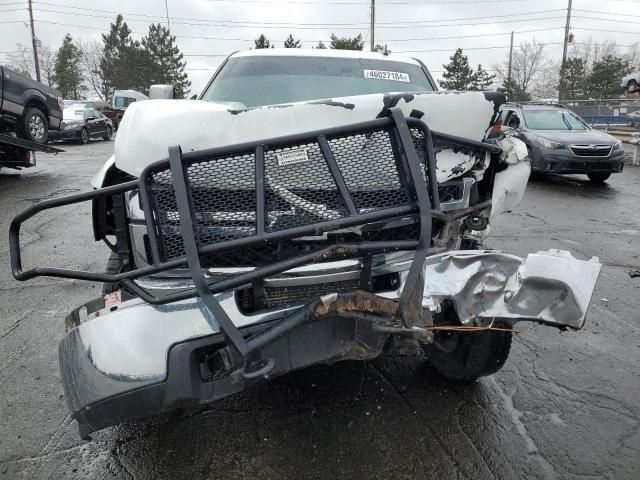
633 56
47 60
592 51
530 69
92 52
21 61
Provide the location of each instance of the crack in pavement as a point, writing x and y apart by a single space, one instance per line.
14 325
547 469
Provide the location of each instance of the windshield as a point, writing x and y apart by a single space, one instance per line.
553 120
258 81
73 114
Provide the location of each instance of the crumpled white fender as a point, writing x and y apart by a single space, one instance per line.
510 184
552 287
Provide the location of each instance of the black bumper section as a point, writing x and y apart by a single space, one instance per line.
191 381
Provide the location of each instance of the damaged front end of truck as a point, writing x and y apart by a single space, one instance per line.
239 263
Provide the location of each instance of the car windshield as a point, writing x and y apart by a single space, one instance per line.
553 120
73 114
258 81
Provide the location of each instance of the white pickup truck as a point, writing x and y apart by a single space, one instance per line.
309 207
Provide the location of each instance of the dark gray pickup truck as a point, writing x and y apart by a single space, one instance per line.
28 107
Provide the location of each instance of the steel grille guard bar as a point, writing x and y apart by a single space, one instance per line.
411 177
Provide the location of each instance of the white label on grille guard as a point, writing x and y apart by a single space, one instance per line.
293 156
386 75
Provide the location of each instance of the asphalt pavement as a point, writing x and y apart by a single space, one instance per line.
566 405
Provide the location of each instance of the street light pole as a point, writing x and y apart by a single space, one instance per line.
567 27
34 42
373 24
166 8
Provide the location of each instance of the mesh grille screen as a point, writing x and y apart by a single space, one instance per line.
298 192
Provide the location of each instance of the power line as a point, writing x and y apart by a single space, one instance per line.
298 23
501 46
318 26
606 13
328 27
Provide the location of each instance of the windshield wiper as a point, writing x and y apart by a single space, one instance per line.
564 119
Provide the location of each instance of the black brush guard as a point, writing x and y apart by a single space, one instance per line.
171 182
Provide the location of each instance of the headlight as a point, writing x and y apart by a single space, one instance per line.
550 144
618 145
70 126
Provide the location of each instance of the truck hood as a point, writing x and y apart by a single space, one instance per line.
149 128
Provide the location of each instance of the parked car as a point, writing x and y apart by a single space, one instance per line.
559 141
631 83
28 107
81 124
632 118
119 103
295 215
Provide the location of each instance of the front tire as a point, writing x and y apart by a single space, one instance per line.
467 356
598 177
35 126
108 134
632 86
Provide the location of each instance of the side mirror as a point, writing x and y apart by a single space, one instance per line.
90 118
162 91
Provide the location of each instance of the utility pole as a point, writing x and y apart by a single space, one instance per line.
34 42
567 27
373 24
166 8
510 58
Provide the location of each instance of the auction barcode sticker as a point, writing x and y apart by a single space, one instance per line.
386 75
293 156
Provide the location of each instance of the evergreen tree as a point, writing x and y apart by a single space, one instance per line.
262 42
167 60
458 75
321 46
291 43
67 74
514 92
572 79
346 43
482 80
604 81
124 63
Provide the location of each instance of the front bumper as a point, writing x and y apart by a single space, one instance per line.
131 360
564 161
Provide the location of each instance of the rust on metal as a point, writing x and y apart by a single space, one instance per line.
358 301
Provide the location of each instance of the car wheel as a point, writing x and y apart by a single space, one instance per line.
108 134
629 123
598 177
467 356
632 86
84 136
34 126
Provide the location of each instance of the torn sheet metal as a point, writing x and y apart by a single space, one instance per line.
551 287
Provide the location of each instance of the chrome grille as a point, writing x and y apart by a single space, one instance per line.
591 150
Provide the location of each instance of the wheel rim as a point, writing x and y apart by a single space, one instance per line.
85 136
108 132
36 127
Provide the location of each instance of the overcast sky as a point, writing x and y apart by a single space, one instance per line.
208 30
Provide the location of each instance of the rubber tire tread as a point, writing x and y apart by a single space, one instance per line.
477 354
24 125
